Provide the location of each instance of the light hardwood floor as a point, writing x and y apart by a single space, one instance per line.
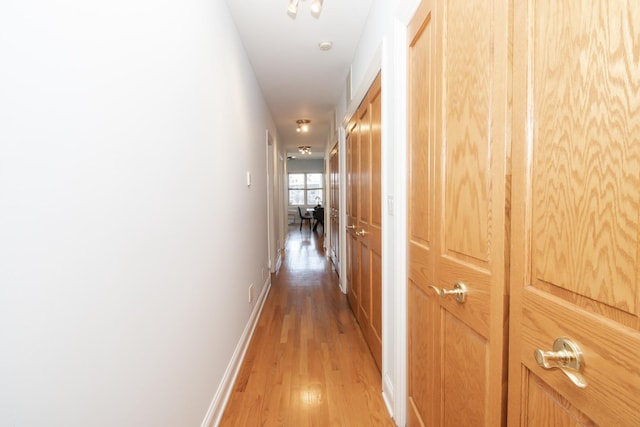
308 363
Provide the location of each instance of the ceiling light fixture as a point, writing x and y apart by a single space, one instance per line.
292 9
303 125
304 149
325 45
316 8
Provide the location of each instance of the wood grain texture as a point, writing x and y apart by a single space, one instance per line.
376 156
364 131
352 185
587 149
423 406
366 238
307 364
458 148
464 361
353 272
576 207
421 137
471 204
610 354
334 213
467 79
364 315
423 385
546 407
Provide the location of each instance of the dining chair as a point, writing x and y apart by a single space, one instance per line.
306 217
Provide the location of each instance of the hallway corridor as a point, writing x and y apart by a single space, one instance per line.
307 364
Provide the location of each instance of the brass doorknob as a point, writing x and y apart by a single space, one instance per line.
567 357
459 290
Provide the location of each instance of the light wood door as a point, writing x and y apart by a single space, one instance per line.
334 214
364 217
575 268
353 167
458 88
369 220
423 305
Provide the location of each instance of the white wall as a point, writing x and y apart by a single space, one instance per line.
128 235
305 165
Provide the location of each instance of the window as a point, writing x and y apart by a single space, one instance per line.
305 189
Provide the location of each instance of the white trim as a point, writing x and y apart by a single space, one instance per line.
387 395
403 19
278 261
220 399
342 212
271 193
388 249
375 66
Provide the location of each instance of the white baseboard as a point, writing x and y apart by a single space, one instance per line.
343 286
220 399
387 394
278 261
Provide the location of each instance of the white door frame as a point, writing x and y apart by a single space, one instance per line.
271 217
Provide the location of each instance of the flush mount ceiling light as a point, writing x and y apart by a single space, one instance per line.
303 125
292 9
304 149
325 45
316 8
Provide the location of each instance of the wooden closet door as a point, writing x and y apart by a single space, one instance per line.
364 217
576 208
457 221
334 214
369 220
353 167
423 406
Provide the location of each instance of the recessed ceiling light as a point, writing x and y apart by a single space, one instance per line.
325 45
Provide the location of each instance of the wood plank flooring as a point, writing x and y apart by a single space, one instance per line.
308 363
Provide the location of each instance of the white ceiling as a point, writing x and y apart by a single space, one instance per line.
298 80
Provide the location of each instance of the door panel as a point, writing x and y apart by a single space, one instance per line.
467 76
423 308
364 131
365 290
464 391
586 160
369 225
334 214
459 87
352 164
364 229
422 409
545 407
370 221
471 201
576 242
